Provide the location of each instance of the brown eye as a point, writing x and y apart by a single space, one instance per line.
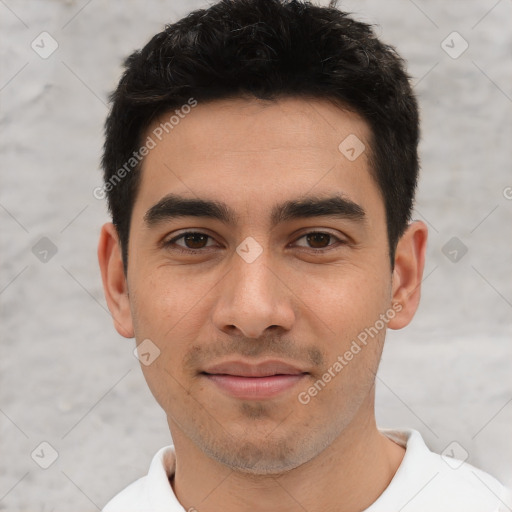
194 242
319 240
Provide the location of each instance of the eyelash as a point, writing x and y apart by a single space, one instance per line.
171 243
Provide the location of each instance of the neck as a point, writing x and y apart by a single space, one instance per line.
355 469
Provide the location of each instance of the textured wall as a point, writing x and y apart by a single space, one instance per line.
68 379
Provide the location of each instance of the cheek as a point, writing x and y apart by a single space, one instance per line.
352 309
349 299
161 313
162 300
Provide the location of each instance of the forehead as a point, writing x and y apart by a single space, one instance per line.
250 153
251 124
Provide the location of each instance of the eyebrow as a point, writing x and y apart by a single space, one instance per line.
173 206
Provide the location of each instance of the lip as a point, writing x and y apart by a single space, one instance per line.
262 369
254 381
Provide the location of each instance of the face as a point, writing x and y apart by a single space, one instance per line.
258 310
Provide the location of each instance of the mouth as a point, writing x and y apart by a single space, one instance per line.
254 381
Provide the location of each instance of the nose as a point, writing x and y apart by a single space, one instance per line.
254 297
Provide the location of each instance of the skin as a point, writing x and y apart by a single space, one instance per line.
290 303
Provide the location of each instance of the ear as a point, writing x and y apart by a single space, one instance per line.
408 273
115 285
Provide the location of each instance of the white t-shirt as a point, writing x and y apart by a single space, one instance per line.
424 482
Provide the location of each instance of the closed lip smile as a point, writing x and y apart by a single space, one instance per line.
256 381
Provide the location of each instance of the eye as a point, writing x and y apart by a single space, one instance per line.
194 240
319 240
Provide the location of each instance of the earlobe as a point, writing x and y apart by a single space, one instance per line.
408 273
114 281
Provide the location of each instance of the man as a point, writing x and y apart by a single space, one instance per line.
260 166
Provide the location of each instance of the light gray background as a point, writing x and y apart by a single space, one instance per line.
69 379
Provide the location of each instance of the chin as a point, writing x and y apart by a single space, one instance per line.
263 458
